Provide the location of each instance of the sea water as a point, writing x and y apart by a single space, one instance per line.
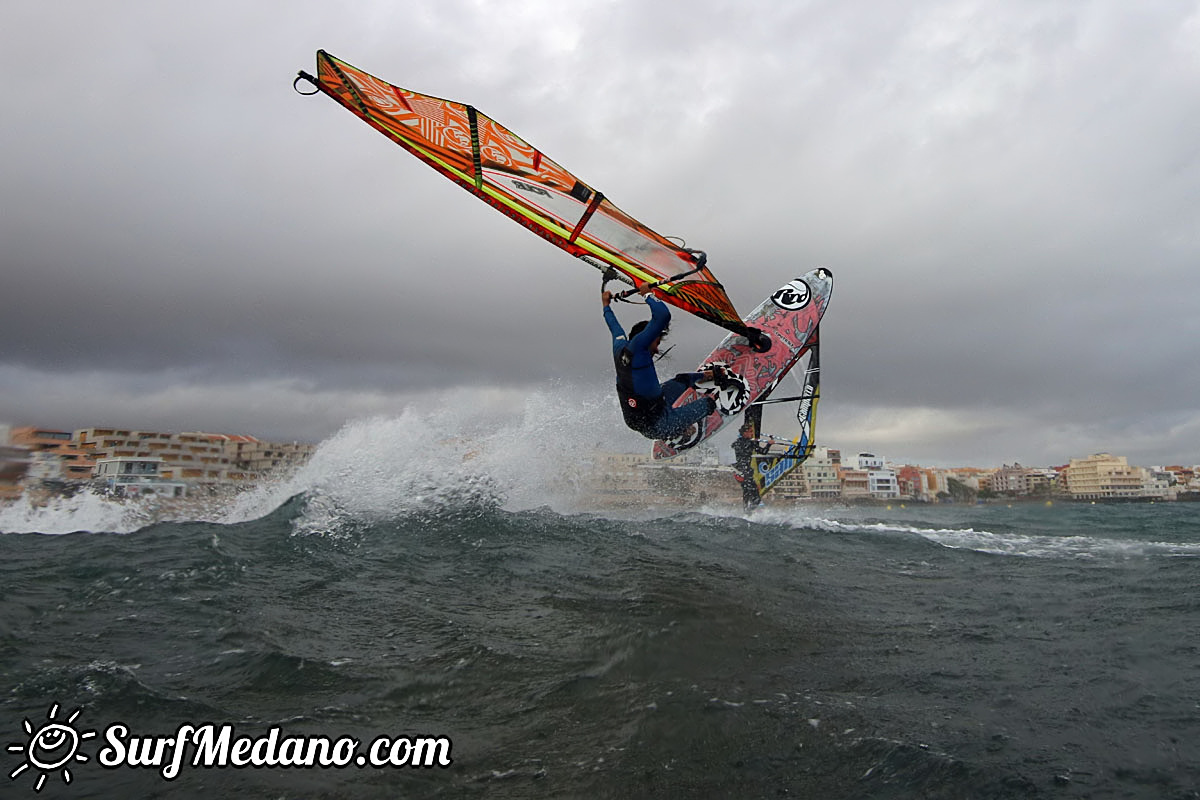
425 580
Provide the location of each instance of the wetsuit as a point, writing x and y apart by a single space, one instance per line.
744 450
647 405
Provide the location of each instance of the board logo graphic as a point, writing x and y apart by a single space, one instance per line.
51 748
793 297
689 438
731 393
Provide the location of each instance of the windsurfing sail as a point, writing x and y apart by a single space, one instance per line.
506 172
770 468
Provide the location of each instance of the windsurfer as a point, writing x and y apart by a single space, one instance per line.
745 447
646 404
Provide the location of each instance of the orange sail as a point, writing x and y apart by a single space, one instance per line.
506 172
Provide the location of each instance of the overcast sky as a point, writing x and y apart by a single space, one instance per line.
1008 194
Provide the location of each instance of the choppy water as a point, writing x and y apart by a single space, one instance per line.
919 652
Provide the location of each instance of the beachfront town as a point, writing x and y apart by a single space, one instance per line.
828 477
39 463
42 462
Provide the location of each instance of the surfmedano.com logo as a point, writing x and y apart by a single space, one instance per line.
50 748
54 747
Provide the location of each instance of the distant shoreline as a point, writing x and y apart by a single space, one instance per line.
1187 497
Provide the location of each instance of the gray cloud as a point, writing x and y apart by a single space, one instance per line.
1009 197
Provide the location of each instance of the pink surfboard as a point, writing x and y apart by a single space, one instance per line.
790 317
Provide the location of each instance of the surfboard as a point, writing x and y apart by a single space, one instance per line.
790 317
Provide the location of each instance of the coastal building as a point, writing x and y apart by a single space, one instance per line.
209 461
1017 481
136 477
1182 477
50 461
194 453
972 478
1187 482
821 473
1157 484
869 461
922 484
14 464
33 438
261 457
191 457
54 460
1045 482
64 466
882 484
881 479
855 484
1010 480
1103 476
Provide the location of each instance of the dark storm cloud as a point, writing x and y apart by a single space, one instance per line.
1009 196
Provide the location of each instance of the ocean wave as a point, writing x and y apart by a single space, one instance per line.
83 511
1028 545
1061 533
458 454
451 459
109 685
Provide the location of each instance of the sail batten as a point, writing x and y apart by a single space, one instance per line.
768 470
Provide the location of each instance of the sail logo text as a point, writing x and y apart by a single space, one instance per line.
529 187
778 467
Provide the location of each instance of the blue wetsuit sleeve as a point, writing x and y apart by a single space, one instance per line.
645 378
660 316
614 327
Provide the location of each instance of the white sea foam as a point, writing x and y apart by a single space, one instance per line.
456 454
982 541
84 511
1055 546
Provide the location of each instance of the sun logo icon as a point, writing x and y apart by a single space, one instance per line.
54 746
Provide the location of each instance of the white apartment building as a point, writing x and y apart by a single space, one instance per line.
881 480
136 477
